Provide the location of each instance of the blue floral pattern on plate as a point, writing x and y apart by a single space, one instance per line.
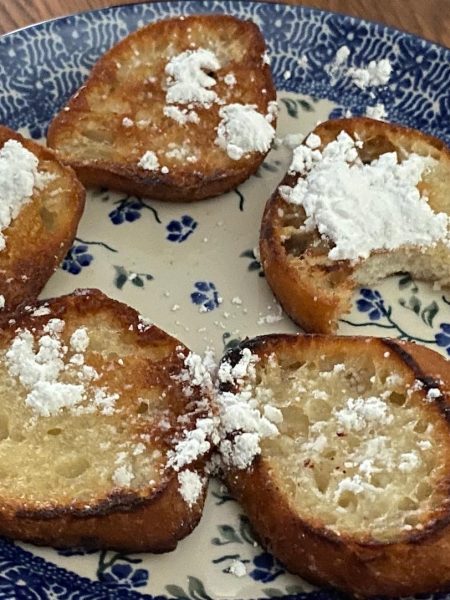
267 568
129 209
205 295
77 258
443 338
180 230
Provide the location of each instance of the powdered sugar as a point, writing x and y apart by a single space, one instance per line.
40 372
199 372
194 444
409 461
237 568
375 74
360 413
149 161
242 424
243 130
433 393
191 486
79 340
354 485
19 176
123 476
187 80
181 115
378 112
230 79
335 180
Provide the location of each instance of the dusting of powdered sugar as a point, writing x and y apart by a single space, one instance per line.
191 486
187 78
243 130
19 176
237 568
376 73
181 115
377 112
149 161
338 192
242 422
194 444
39 363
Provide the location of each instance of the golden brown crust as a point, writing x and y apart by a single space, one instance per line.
314 290
96 112
417 562
149 518
155 525
297 283
42 233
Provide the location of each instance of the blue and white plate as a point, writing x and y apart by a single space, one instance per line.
193 269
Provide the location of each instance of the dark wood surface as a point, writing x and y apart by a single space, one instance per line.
427 18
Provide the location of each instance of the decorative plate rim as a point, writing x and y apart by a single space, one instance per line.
305 8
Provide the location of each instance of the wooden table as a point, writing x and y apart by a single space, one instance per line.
427 18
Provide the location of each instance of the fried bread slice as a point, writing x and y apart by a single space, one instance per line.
349 486
316 290
94 417
181 109
42 203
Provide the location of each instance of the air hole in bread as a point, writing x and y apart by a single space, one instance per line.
322 479
4 427
348 501
412 520
297 244
293 217
354 441
407 503
336 278
103 136
48 217
424 490
421 426
55 431
380 480
72 467
397 398
142 408
294 366
375 146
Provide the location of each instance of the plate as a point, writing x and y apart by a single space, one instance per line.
194 268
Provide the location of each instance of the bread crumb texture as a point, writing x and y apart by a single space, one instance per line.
347 443
89 409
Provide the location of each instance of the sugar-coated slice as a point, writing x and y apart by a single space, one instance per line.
182 109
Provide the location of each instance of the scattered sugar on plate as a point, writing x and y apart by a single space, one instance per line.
237 568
